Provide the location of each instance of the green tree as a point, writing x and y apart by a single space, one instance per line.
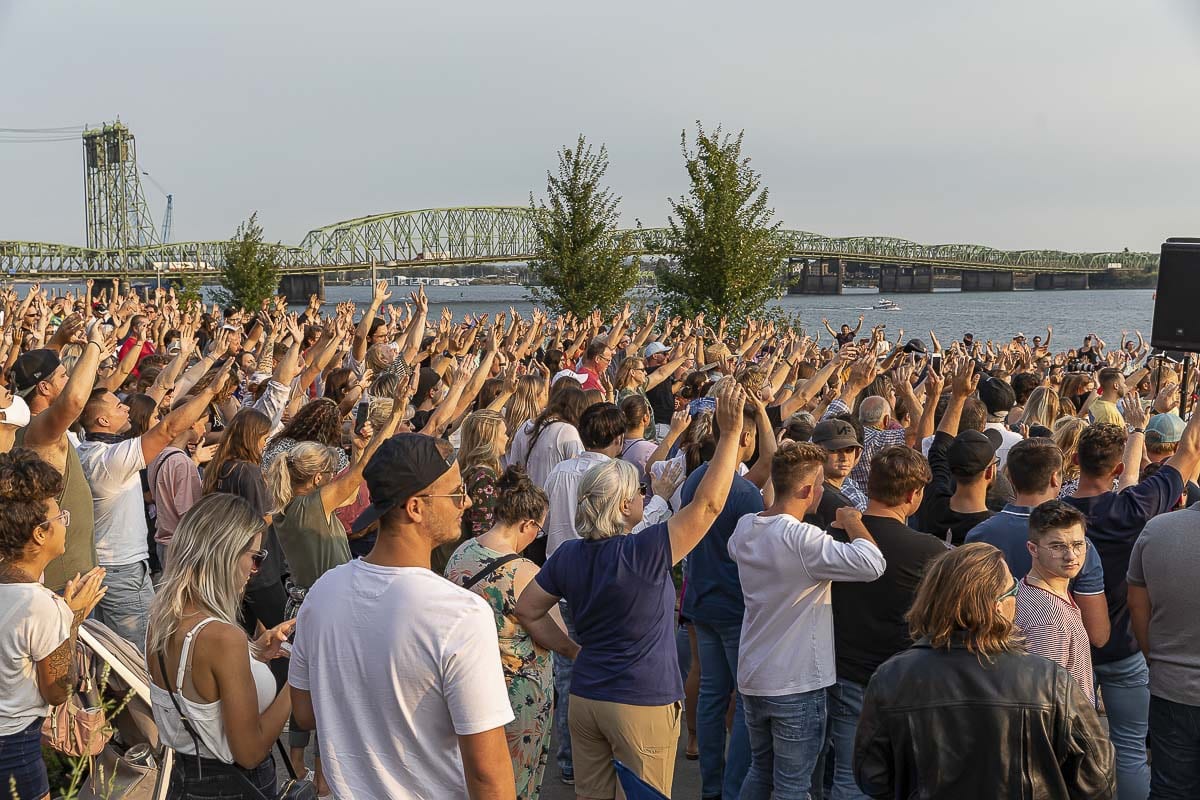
728 252
251 273
582 264
191 287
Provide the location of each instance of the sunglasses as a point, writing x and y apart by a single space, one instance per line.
459 497
1010 593
257 558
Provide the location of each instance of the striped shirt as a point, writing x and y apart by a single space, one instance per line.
1053 629
874 440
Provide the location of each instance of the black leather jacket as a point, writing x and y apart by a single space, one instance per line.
939 724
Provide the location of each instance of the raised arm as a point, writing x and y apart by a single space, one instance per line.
344 489
378 297
52 424
155 440
691 522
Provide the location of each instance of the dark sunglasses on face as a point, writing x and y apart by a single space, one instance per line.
257 558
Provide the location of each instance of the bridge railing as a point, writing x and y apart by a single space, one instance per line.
437 236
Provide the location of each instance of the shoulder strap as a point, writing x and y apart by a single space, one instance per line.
491 567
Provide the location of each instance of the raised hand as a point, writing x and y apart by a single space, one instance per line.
964 381
731 399
83 593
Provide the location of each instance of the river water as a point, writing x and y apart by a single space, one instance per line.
950 313
988 315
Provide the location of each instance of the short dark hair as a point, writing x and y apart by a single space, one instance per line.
596 347
1030 464
1100 449
1054 515
26 483
601 425
518 498
997 395
1108 376
1023 384
896 471
793 462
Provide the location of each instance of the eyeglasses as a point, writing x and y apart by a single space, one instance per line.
1063 550
459 497
65 516
1010 593
257 558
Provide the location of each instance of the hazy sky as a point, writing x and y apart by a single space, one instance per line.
1024 124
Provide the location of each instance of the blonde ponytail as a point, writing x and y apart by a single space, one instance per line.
295 468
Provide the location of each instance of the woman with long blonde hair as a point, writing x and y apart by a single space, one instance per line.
968 671
1066 436
202 666
526 403
1041 408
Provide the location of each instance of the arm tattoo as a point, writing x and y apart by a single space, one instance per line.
63 665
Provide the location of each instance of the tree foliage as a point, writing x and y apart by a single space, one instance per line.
582 264
728 251
251 273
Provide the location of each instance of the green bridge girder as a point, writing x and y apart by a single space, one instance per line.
445 236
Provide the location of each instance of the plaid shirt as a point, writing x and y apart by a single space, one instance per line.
874 440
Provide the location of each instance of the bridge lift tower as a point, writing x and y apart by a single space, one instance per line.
117 216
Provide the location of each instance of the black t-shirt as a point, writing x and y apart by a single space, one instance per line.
935 515
662 400
1115 521
868 618
844 338
246 481
826 513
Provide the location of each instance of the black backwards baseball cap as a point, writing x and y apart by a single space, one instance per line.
401 467
32 368
973 451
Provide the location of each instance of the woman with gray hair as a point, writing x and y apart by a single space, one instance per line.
626 689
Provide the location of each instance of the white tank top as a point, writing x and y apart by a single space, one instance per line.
205 718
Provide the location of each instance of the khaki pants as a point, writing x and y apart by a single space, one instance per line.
643 738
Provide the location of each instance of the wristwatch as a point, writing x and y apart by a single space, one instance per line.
1132 431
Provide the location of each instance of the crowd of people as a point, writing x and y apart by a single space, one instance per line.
427 547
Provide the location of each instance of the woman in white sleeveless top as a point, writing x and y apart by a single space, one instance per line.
202 664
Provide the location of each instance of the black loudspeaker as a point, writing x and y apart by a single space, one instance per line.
1176 315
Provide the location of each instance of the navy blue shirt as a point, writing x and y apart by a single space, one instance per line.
623 601
714 594
1008 531
1115 520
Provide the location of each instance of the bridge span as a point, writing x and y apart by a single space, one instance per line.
497 234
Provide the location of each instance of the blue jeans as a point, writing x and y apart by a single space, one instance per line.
562 690
1175 742
721 773
22 770
1125 685
845 707
787 734
126 606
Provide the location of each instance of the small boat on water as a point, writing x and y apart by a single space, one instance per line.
886 305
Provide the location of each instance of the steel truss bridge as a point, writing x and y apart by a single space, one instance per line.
495 234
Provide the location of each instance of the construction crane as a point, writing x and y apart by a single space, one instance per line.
166 228
167 215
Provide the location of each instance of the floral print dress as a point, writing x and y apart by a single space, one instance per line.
527 667
481 486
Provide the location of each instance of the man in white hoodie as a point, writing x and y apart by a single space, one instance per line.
785 657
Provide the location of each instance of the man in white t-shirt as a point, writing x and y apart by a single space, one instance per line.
785 655
397 668
112 463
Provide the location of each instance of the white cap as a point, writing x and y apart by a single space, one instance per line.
581 377
654 348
